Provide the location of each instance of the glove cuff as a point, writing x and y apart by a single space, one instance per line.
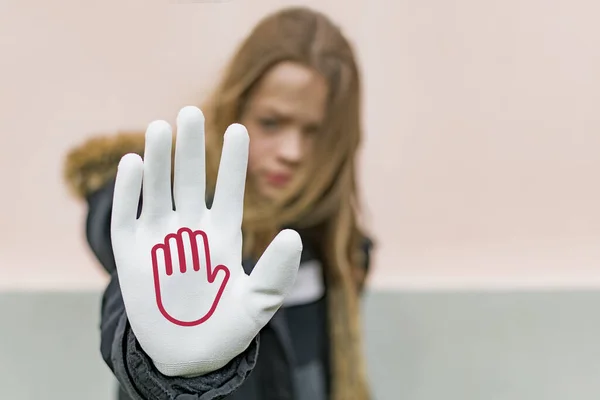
153 385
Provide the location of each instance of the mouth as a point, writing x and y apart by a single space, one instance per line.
278 180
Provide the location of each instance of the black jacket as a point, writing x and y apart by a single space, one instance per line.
253 375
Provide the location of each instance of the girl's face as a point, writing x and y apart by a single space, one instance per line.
283 116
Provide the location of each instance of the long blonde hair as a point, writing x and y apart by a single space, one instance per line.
326 205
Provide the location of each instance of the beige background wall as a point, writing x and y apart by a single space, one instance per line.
480 164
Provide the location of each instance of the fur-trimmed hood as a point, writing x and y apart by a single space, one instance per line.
91 165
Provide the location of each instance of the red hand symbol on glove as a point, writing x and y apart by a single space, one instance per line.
184 239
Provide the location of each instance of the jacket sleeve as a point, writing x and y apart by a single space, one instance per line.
121 351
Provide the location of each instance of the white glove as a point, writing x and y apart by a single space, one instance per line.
189 302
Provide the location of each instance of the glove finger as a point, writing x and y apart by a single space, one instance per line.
157 170
228 203
190 176
126 195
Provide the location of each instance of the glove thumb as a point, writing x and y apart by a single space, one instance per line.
274 275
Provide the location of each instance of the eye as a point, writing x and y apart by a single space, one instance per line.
269 124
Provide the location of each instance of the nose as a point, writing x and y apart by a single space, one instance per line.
291 146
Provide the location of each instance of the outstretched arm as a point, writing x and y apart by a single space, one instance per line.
119 347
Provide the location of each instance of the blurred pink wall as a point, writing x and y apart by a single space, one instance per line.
480 165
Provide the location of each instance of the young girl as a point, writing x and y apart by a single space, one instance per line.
294 85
